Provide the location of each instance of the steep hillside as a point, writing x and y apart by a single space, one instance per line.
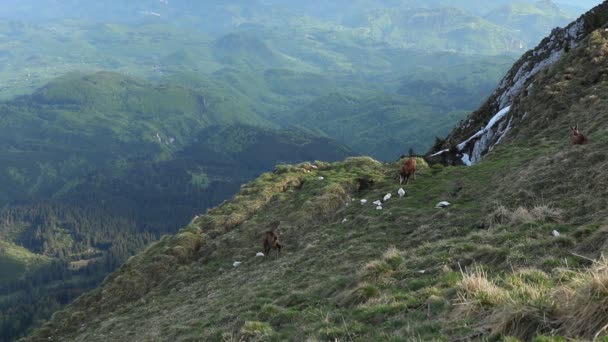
69 244
484 129
95 166
515 256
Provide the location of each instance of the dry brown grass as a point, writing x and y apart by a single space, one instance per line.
524 322
527 304
586 310
477 291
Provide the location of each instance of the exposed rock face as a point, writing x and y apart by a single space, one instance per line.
486 127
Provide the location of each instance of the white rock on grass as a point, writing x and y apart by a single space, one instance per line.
442 204
321 178
236 263
363 201
401 192
379 207
259 254
344 221
378 202
387 197
555 233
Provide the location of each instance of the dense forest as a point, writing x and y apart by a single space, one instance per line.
84 245
89 230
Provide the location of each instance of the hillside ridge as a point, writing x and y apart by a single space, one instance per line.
474 137
516 255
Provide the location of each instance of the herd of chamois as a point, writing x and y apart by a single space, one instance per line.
408 169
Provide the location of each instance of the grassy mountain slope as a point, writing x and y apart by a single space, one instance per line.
95 166
519 81
487 265
89 230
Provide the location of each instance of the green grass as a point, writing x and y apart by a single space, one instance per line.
379 292
15 261
381 275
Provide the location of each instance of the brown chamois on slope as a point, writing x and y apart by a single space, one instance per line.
408 170
577 137
271 241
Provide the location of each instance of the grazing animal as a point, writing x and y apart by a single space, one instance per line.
577 137
271 242
407 170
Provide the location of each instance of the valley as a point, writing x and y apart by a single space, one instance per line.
123 123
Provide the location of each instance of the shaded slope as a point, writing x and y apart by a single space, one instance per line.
89 230
343 280
380 125
95 166
82 122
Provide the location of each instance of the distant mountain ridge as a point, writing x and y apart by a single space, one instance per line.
94 166
510 248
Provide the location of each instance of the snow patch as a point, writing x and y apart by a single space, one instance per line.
442 204
401 192
479 145
439 153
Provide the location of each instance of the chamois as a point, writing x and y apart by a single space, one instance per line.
407 170
577 137
271 241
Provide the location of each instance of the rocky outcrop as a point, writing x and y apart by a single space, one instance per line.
486 127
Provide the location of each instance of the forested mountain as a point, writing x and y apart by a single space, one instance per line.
97 166
510 248
120 121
